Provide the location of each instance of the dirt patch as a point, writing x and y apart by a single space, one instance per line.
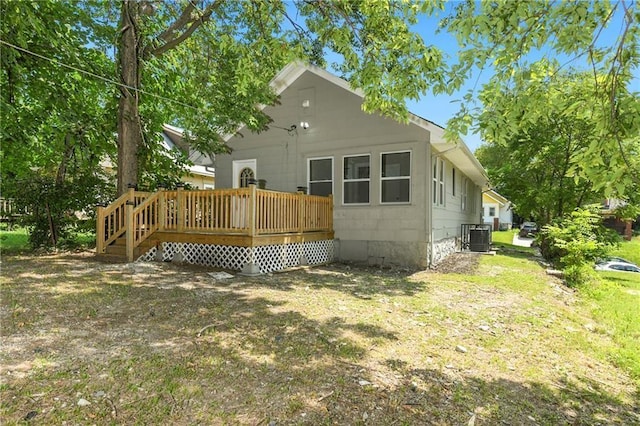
88 342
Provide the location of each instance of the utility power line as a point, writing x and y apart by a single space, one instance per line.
89 73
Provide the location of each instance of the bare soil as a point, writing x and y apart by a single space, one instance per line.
85 342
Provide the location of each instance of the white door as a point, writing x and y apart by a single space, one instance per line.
243 170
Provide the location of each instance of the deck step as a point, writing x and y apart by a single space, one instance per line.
117 250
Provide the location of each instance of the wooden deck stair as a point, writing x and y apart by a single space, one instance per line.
116 252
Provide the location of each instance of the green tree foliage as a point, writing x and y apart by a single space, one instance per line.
205 65
513 41
536 156
56 124
575 241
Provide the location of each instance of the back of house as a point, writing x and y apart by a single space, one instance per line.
400 191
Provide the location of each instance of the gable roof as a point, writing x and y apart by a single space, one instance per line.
496 197
456 152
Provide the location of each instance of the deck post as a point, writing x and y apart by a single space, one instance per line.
251 268
301 212
252 211
162 209
330 213
129 230
180 207
100 230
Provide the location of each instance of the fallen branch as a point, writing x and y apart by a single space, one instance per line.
325 396
204 328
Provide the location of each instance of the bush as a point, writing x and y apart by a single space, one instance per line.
577 240
50 208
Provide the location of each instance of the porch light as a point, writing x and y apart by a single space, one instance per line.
304 124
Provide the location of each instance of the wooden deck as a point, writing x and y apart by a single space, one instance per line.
244 217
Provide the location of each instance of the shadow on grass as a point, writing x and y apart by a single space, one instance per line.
144 351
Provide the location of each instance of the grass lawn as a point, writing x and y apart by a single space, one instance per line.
629 250
503 240
16 241
155 343
13 241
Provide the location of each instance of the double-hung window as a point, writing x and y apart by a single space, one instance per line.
356 179
395 181
437 177
320 172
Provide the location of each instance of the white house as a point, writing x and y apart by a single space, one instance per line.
497 210
400 191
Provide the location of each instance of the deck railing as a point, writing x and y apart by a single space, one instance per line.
242 211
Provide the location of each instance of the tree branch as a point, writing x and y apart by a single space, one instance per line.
178 24
185 18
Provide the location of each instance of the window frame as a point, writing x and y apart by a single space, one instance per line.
464 194
453 181
408 177
442 193
438 178
344 180
492 211
309 181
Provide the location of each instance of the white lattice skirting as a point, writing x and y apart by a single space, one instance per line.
267 258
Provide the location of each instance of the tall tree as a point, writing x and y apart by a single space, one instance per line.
514 41
55 124
205 64
241 45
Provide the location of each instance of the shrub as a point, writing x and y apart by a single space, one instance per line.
576 240
50 207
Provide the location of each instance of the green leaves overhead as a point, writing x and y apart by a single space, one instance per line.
381 54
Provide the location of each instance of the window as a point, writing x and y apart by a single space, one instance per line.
434 178
464 189
246 175
438 182
395 180
356 179
441 191
453 181
492 211
320 176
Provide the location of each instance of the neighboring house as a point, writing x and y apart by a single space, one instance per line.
609 219
497 211
400 191
200 176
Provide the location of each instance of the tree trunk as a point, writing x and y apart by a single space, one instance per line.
129 126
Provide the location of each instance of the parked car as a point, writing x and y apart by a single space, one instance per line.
614 259
617 266
528 229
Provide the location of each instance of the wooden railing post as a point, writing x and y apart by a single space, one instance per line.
181 206
252 210
129 230
301 208
100 230
330 218
162 209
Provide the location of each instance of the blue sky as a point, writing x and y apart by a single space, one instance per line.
441 108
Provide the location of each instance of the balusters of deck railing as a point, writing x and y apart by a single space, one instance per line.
249 211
